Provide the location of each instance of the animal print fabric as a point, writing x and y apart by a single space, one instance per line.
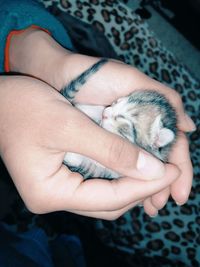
173 237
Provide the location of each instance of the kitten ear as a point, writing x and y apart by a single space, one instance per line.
161 136
164 137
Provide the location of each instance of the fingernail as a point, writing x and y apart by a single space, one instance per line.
153 216
190 123
179 204
149 166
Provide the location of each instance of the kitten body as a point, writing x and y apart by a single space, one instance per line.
144 117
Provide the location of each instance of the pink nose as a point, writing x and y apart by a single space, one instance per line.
107 112
104 117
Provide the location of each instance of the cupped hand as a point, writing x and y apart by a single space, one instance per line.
117 79
58 67
38 126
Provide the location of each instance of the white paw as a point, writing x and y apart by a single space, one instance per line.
73 159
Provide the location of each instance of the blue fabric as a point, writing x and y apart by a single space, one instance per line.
32 249
20 14
22 250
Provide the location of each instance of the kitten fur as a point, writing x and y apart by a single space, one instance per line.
144 117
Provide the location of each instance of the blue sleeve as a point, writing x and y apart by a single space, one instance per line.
20 14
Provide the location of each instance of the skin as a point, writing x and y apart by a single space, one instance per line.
49 126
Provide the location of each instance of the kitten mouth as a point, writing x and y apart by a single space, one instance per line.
104 117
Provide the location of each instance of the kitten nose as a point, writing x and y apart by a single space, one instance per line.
104 117
107 112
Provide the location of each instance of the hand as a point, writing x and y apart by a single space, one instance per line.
116 80
37 127
57 66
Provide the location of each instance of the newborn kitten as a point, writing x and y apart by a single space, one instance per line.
144 117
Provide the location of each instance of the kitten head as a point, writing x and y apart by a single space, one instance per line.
144 118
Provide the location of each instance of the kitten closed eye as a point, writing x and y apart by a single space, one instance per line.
119 117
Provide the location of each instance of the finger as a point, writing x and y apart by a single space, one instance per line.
64 190
149 208
180 156
121 192
75 132
106 215
101 195
159 200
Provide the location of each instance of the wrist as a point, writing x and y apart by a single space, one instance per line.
34 52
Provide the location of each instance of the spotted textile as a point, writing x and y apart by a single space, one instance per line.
173 237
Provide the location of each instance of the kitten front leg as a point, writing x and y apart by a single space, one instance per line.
87 167
73 159
92 111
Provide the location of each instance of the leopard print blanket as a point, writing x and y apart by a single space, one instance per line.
173 237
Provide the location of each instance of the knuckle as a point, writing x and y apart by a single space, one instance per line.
35 203
34 207
159 203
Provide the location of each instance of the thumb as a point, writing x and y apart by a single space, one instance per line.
83 136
